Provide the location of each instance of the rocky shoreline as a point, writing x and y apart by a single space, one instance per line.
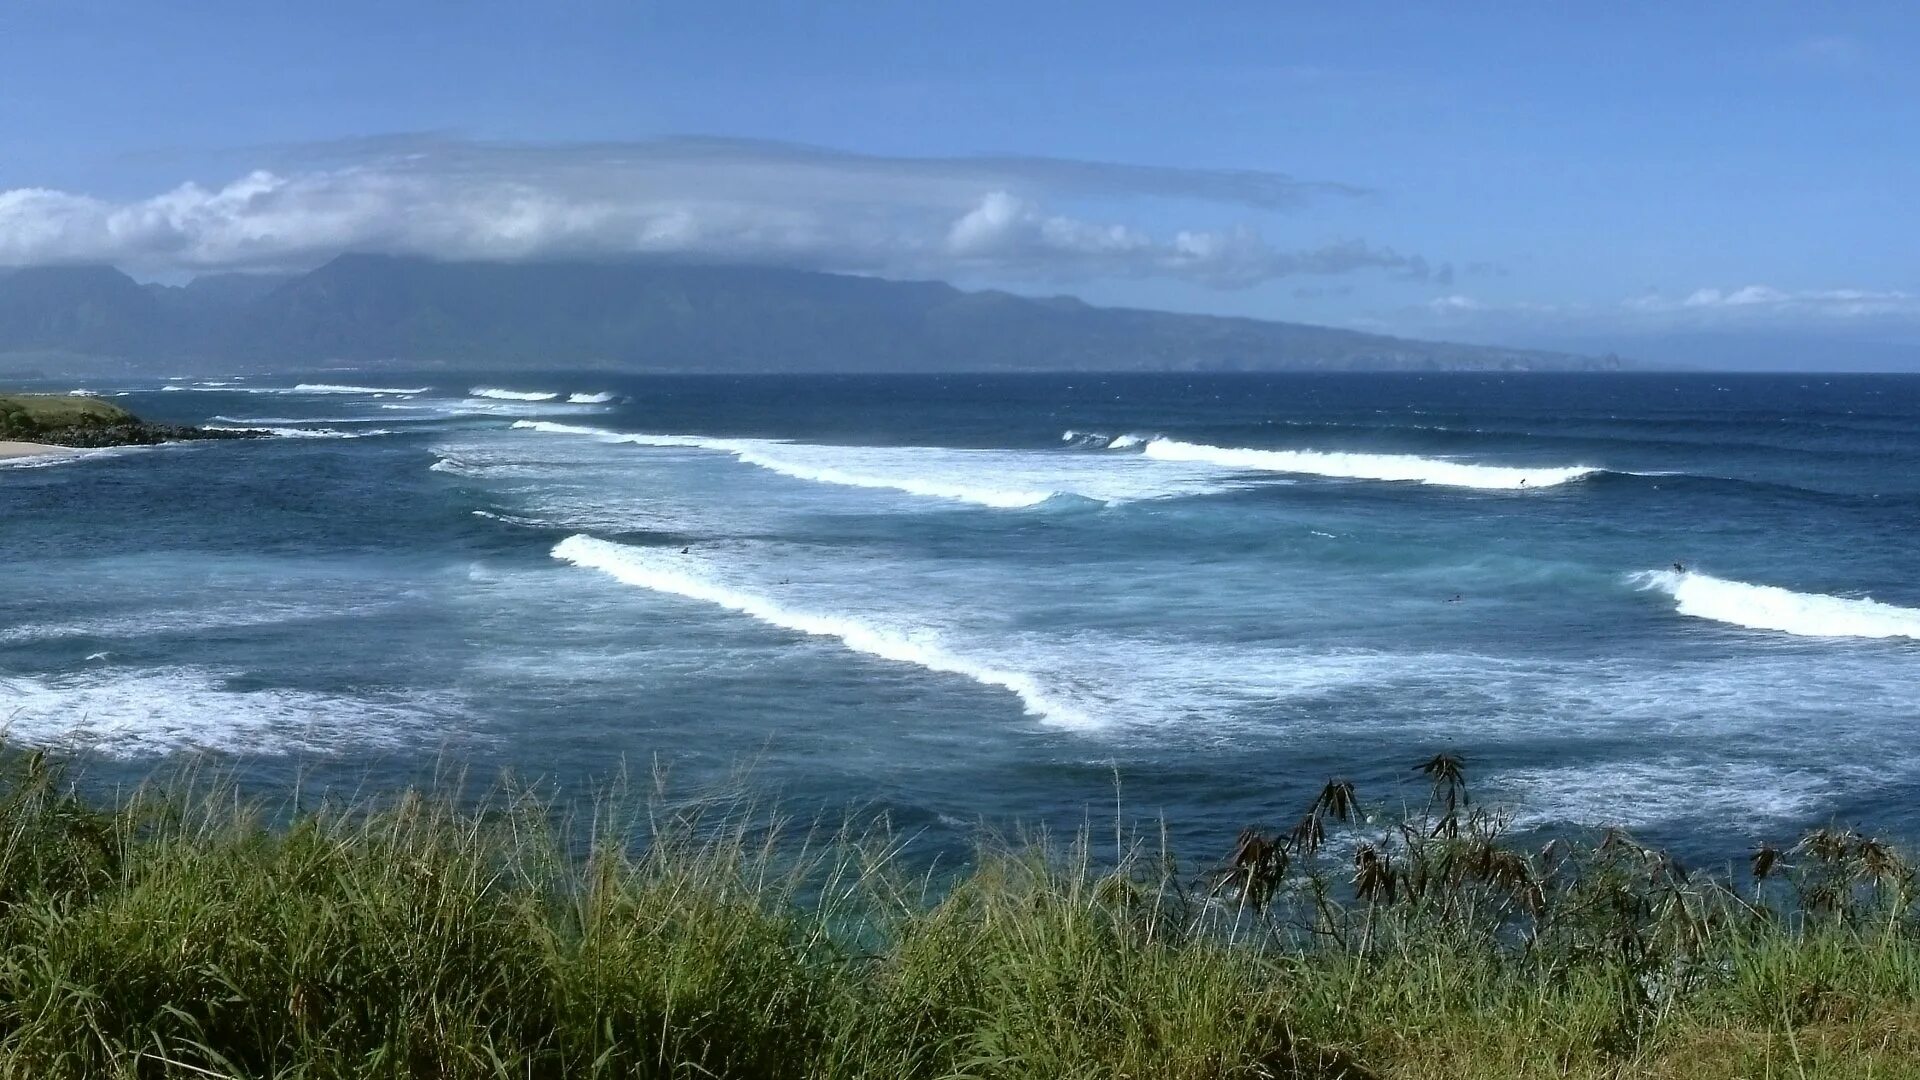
87 423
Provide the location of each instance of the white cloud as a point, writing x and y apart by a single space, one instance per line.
1745 307
1764 300
690 198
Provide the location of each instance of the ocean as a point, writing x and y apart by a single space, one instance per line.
1687 604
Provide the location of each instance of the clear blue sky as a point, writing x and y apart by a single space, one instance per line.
1483 170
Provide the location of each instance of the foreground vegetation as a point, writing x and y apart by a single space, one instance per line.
184 932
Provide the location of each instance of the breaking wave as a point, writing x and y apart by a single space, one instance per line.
301 432
1403 467
589 399
334 388
285 421
1098 441
661 572
498 394
1769 607
766 454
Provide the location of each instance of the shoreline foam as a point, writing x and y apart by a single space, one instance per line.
13 451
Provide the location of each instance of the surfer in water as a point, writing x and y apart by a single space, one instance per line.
1679 568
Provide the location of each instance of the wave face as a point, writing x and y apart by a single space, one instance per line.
670 573
335 388
1768 607
589 399
1407 467
498 394
1023 478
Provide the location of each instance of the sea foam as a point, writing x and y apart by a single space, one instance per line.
589 399
155 712
681 575
1769 607
1352 466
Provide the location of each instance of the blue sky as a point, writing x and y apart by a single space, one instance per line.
1487 172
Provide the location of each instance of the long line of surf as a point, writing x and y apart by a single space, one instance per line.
1357 466
764 453
1769 607
679 576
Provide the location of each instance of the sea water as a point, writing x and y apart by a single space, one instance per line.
1687 604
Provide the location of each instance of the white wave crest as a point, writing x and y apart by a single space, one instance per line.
498 394
301 432
787 459
288 421
1096 440
1769 607
1351 466
589 399
83 393
333 388
678 575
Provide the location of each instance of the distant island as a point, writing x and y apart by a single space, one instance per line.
35 424
372 311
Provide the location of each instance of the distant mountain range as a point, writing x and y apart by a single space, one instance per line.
366 311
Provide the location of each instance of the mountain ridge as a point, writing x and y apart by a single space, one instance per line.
377 310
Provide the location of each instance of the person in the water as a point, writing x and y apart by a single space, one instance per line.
1679 568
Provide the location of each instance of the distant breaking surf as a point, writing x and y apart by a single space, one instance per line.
1768 607
498 394
764 453
331 388
1354 466
676 574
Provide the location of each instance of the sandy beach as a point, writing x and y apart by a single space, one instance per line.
11 450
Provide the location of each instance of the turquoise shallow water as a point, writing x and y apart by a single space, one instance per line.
967 598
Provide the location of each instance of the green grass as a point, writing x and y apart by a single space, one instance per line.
185 932
23 416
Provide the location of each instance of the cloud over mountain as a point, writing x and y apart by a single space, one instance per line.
695 198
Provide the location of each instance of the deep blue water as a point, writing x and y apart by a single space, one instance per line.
992 598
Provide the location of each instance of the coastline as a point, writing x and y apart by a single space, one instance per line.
10 451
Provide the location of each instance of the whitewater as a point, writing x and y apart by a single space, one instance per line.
1769 607
1356 466
659 572
1030 478
1001 599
